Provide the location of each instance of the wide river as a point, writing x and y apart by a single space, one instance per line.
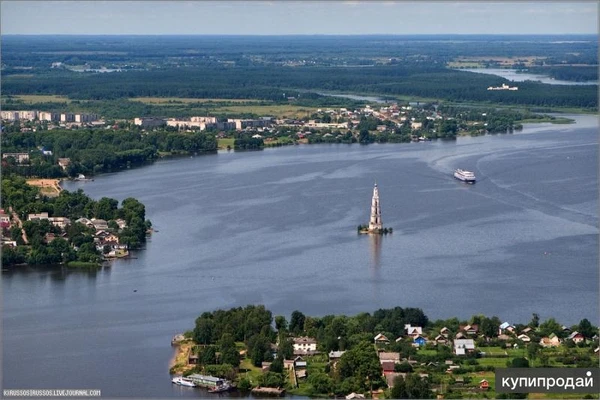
278 227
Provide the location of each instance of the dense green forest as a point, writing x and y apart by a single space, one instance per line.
276 83
131 52
277 67
92 151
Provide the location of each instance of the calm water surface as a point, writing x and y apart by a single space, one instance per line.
513 75
278 227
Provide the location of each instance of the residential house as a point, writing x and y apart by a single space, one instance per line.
388 367
4 219
37 217
413 331
85 222
527 330
304 345
524 338
335 355
121 223
381 339
550 341
470 330
463 346
389 356
576 337
419 341
504 337
64 163
60 222
460 335
441 339
445 331
99 224
506 328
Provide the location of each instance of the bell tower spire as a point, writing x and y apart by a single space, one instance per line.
375 223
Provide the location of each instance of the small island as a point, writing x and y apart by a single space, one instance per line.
375 225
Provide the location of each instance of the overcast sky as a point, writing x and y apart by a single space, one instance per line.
297 17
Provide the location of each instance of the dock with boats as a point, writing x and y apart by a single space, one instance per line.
212 383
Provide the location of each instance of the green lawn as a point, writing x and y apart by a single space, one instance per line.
251 373
223 143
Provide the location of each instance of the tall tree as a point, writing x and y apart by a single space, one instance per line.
297 322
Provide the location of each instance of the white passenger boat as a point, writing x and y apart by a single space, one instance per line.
179 380
465 176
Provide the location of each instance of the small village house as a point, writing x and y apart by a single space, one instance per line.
381 339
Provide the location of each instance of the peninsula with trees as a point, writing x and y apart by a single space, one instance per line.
391 353
70 228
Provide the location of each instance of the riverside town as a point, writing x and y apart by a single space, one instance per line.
309 200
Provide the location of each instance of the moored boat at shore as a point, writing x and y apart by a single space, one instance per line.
179 380
220 388
464 175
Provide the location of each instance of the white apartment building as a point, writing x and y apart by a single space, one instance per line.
148 122
85 117
26 115
48 116
67 117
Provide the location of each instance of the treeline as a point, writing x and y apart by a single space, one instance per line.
75 242
248 143
160 51
567 73
93 151
276 83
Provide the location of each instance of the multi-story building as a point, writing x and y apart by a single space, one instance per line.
249 123
67 117
304 345
19 157
208 120
85 117
10 115
48 116
28 115
148 122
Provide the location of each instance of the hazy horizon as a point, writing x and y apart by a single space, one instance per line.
285 18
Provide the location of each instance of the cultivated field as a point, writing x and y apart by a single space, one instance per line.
178 100
40 98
